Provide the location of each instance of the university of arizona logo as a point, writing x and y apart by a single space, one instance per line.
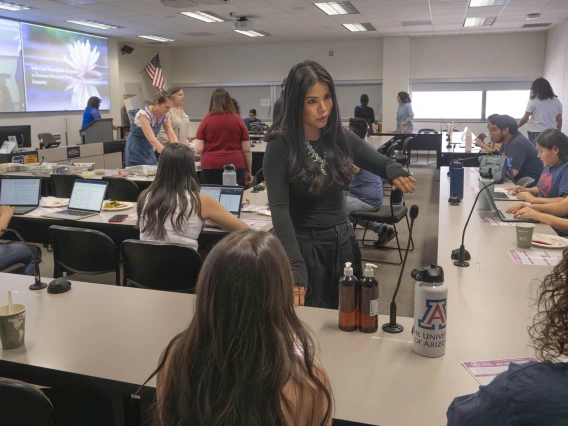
435 315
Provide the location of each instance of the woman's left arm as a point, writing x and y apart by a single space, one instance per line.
170 131
559 121
370 160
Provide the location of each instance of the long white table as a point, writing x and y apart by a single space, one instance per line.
108 336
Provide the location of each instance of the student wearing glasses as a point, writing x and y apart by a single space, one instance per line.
251 118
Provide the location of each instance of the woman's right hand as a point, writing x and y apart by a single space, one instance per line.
479 142
516 189
404 183
516 208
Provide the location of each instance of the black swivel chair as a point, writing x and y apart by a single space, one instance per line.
404 157
160 266
63 184
391 215
422 132
48 140
121 189
83 251
24 405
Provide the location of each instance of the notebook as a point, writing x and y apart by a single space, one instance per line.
231 197
23 194
86 200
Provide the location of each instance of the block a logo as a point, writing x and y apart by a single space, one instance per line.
435 315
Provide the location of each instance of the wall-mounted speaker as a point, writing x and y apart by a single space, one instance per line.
127 49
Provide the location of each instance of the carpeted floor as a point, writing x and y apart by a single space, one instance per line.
425 239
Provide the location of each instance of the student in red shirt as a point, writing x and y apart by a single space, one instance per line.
223 138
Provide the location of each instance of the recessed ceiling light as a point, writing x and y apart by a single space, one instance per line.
532 16
337 8
479 22
13 7
252 33
95 24
486 3
156 38
543 25
359 27
206 16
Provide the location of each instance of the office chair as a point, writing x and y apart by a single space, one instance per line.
24 405
422 132
121 189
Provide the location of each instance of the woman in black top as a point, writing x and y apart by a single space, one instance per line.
365 111
309 160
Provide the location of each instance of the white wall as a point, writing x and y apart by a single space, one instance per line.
357 60
556 65
396 76
485 56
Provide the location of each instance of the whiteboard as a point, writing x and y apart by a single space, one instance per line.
349 96
197 100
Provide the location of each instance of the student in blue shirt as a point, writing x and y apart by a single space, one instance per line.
251 118
535 393
552 147
366 190
92 111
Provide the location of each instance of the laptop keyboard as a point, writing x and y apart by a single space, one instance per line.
508 216
501 195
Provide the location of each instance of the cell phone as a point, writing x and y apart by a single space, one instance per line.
118 218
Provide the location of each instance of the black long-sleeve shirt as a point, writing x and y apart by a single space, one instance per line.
366 112
292 205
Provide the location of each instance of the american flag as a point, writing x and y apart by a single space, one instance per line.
154 71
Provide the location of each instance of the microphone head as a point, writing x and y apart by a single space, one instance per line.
414 211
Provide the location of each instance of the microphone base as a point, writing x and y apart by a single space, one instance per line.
461 264
38 286
392 328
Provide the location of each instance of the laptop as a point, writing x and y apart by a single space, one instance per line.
23 194
508 217
504 195
231 197
86 200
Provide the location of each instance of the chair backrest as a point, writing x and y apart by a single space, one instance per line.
525 182
63 184
24 405
46 138
405 144
390 151
121 189
427 131
84 251
160 266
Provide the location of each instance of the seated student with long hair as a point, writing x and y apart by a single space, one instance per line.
535 393
172 209
246 358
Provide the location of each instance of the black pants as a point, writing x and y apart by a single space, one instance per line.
325 251
533 136
215 177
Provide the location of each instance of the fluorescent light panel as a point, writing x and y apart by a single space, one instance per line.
95 24
255 33
156 38
359 27
486 3
13 7
479 22
205 16
337 8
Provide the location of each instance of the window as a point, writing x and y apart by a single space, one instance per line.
447 105
510 102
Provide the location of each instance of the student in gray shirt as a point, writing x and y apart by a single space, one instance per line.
521 151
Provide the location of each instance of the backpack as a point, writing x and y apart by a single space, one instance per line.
494 167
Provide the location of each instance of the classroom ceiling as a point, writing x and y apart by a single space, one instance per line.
288 20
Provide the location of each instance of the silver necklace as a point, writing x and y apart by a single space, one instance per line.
315 156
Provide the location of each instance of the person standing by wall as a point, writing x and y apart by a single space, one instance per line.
178 117
404 113
544 110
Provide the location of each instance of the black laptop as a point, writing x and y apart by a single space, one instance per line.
23 194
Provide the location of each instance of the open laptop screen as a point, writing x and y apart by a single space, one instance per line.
20 192
88 195
230 197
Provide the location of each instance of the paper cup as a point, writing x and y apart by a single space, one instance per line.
12 326
524 234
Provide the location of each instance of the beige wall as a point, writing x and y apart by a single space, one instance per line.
556 64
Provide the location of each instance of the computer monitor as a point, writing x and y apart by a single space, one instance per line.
23 134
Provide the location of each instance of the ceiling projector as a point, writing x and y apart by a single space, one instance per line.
192 3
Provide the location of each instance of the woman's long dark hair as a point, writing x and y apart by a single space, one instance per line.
549 332
221 102
404 97
542 89
551 138
243 346
176 179
290 127
93 102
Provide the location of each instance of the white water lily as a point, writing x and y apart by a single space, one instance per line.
82 90
83 59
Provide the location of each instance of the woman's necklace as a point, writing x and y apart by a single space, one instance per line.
315 156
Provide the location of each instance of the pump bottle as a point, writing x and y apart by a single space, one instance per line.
348 312
369 301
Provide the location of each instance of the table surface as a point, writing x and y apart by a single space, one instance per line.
458 145
118 333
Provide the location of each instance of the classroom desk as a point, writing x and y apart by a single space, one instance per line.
457 150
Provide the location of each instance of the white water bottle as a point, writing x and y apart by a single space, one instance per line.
229 175
430 307
468 141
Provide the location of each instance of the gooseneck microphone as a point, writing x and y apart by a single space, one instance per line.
392 326
37 285
461 253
